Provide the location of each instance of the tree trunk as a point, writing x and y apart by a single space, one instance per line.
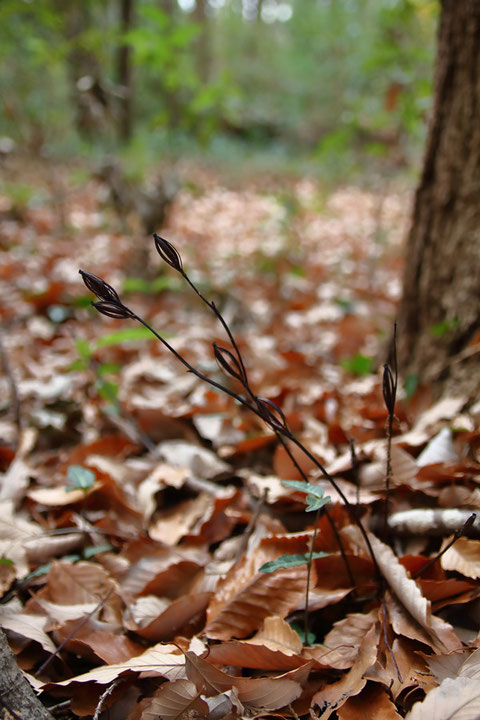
16 695
203 47
125 73
439 316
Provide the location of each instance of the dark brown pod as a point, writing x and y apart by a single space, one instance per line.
168 253
228 362
271 413
99 287
389 388
112 309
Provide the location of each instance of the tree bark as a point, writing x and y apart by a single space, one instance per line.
203 49
125 72
439 316
16 695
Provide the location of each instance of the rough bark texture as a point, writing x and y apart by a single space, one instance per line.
439 317
125 72
16 695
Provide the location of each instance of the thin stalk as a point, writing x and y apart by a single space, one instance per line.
221 320
314 537
458 533
284 431
389 387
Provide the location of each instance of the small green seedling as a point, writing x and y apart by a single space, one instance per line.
80 478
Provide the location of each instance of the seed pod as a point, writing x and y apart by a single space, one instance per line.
228 362
168 253
113 309
271 413
389 387
99 287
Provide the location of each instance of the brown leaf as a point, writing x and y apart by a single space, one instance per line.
27 625
172 619
372 703
332 697
163 660
277 634
463 557
454 699
268 693
340 646
175 700
246 597
243 654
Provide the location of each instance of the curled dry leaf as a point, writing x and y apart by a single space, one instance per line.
27 625
440 635
372 703
454 699
246 597
159 569
244 654
268 693
404 588
170 619
277 634
175 700
463 557
332 697
164 660
340 646
15 531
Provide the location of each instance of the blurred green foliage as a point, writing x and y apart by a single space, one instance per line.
342 80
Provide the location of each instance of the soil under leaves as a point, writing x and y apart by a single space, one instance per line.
137 505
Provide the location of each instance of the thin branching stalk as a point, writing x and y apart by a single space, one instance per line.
314 537
458 534
389 386
109 304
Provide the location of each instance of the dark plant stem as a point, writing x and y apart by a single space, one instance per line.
390 384
223 323
387 643
110 305
458 533
283 430
314 537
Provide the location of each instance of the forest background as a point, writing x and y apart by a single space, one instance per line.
277 144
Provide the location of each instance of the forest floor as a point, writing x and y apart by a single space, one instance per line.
138 504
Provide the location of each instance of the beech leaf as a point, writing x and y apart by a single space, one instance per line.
288 561
315 494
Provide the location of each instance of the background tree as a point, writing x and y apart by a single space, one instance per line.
439 318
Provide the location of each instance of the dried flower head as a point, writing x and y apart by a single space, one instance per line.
389 387
113 309
99 287
271 413
228 362
168 253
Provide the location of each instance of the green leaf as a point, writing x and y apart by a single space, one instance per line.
288 561
83 349
284 561
107 390
108 368
315 498
80 478
314 503
301 633
410 385
358 364
125 335
79 364
96 550
42 570
6 561
442 328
